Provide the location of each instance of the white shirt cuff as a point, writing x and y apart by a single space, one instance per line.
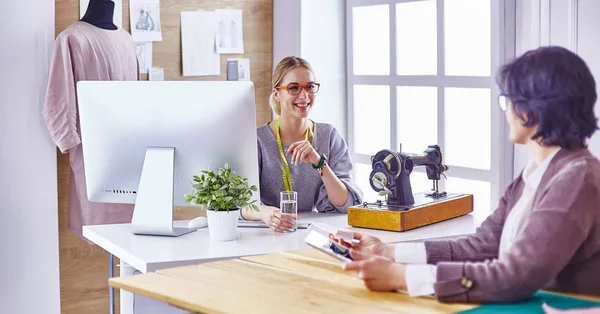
410 253
420 279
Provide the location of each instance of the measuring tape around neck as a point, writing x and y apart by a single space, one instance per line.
285 173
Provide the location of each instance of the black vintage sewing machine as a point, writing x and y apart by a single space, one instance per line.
402 210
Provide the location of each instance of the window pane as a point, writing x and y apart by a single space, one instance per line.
480 191
417 117
371 40
467 127
371 118
467 37
361 177
416 38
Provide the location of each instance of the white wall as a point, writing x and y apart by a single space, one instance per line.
527 38
29 269
286 29
316 31
588 46
323 33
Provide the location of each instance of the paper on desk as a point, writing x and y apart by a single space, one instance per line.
117 15
341 234
550 310
198 49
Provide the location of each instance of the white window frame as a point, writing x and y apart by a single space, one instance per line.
502 48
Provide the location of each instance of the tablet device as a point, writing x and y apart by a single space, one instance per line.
323 243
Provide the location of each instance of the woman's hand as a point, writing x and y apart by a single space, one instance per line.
303 151
367 246
378 273
277 221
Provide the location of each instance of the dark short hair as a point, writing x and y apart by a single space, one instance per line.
554 88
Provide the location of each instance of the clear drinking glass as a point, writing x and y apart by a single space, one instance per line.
289 207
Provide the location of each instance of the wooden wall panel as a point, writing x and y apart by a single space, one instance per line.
83 267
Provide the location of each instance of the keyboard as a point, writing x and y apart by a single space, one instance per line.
260 224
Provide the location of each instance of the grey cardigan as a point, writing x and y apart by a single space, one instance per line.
306 181
559 248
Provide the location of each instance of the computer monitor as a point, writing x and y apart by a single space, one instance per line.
143 142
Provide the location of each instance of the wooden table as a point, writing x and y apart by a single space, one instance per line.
304 281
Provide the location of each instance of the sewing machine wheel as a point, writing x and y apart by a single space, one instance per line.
387 166
391 159
379 180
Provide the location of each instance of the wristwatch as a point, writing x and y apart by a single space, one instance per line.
321 165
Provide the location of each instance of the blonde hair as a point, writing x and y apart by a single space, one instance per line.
284 66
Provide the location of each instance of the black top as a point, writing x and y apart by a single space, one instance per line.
100 14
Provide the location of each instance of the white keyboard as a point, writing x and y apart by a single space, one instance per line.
260 224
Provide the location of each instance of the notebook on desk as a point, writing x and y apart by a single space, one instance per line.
260 224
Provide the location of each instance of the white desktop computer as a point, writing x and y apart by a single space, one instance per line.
143 141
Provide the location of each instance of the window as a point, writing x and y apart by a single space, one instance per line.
421 72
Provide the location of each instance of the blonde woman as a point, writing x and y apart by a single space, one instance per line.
298 154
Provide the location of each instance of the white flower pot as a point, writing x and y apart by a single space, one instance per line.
222 225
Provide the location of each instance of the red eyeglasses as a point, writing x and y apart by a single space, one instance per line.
295 89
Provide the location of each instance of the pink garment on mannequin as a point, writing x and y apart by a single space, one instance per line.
84 52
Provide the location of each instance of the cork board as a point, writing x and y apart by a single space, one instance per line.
83 267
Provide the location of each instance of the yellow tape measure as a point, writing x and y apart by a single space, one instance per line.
285 173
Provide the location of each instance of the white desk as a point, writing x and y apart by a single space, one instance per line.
150 253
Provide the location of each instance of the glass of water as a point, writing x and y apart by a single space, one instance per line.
289 207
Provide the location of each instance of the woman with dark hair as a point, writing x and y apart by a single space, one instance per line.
545 233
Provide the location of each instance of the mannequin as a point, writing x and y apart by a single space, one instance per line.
100 14
93 49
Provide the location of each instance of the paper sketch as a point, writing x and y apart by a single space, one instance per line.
143 51
229 31
244 69
156 74
145 20
198 44
118 14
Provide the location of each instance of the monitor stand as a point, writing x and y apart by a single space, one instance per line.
153 211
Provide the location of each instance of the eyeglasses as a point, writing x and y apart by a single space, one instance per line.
503 101
295 89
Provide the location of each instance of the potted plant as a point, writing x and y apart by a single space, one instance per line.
224 194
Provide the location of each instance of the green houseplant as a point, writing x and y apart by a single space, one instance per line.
224 193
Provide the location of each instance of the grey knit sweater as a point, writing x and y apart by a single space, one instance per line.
559 247
306 181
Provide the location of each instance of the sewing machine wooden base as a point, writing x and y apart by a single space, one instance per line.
425 211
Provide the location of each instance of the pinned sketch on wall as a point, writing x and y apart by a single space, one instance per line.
198 44
156 74
229 31
244 69
117 16
144 17
143 51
